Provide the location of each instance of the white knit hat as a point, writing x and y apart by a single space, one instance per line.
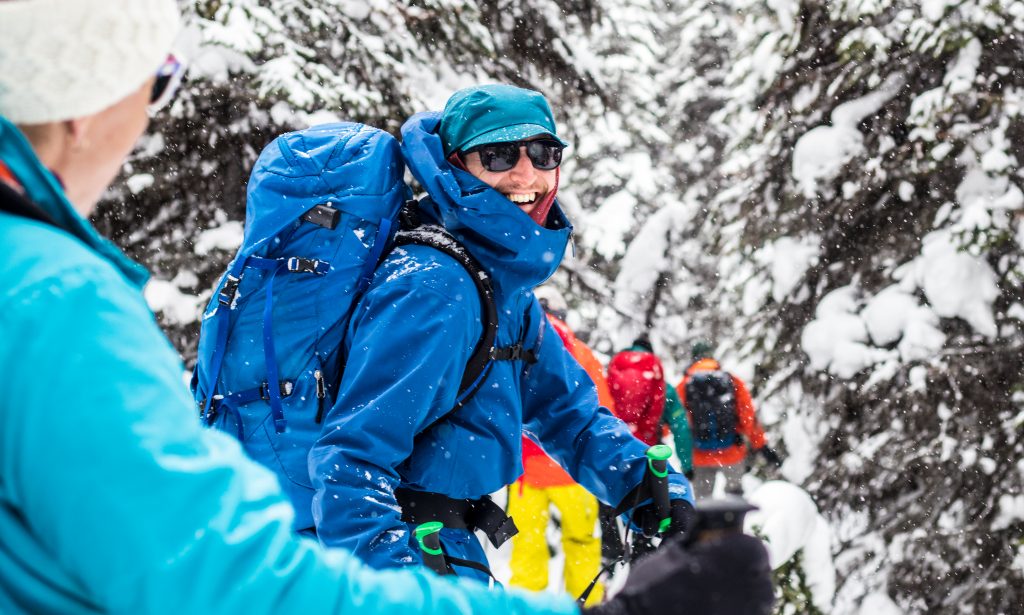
62 59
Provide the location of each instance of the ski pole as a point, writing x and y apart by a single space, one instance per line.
657 477
428 535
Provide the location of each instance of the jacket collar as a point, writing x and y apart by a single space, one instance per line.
42 188
518 253
704 365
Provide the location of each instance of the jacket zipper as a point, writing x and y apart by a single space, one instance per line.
321 392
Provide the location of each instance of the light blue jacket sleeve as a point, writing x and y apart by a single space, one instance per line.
409 343
564 416
124 504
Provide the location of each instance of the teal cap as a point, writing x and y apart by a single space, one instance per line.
495 113
701 350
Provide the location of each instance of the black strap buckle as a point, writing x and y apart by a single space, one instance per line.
323 215
285 387
208 415
297 264
514 353
227 292
489 518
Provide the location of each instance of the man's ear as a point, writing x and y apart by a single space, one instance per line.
77 131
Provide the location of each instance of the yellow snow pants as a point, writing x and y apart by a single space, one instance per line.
528 506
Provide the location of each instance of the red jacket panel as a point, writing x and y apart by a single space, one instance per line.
539 470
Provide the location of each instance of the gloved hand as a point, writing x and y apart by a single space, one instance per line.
770 456
682 514
727 574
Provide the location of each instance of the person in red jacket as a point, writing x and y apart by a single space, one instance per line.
544 483
723 422
637 382
647 404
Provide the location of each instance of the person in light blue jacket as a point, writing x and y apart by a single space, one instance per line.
392 452
113 499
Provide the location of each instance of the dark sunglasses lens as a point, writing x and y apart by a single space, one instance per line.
499 157
545 155
159 87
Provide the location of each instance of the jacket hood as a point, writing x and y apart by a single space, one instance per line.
43 189
517 252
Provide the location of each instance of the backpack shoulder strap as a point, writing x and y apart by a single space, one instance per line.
438 238
16 204
485 352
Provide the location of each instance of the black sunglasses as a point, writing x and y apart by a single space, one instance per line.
544 154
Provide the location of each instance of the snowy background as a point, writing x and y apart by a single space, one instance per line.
831 191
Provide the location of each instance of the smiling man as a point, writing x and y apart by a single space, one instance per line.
505 137
412 438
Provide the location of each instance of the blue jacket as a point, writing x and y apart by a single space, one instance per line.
113 499
407 346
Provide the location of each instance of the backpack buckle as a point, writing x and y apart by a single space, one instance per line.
205 414
210 414
285 387
227 293
323 215
297 264
514 353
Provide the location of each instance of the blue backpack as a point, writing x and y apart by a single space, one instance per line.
324 207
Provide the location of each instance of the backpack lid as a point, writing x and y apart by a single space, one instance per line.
349 165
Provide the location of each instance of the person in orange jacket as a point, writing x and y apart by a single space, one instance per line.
544 483
723 423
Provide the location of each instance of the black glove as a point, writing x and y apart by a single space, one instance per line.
770 456
725 575
689 475
681 512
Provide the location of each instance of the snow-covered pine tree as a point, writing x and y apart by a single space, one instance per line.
623 176
260 68
864 224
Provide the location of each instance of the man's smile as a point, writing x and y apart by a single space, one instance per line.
521 198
